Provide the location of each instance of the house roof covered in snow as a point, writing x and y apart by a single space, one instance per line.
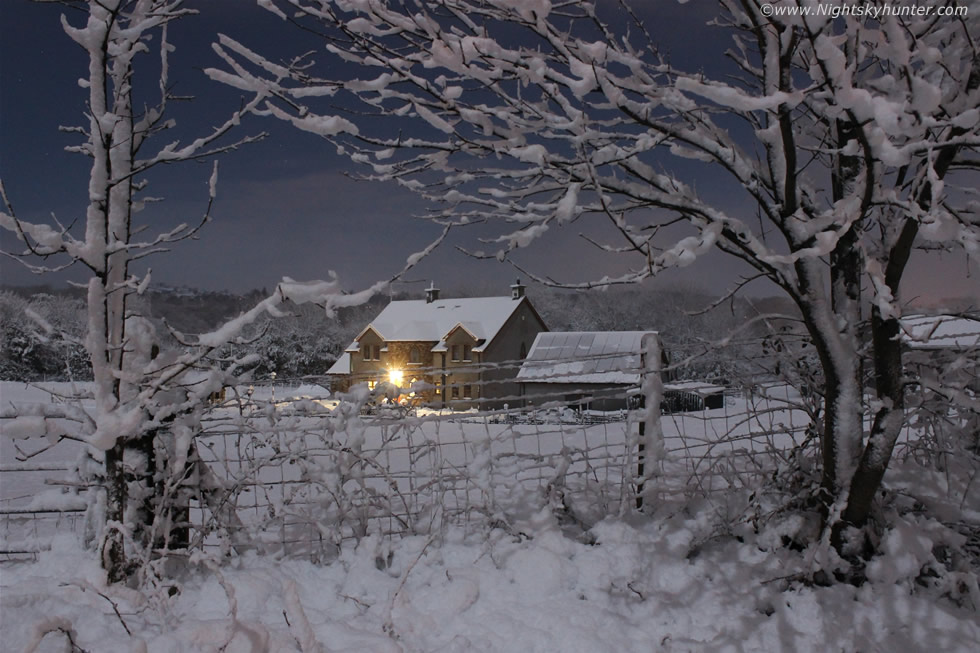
342 366
423 321
941 331
611 357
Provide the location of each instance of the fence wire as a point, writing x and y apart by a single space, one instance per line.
300 476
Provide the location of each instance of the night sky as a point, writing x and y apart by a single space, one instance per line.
285 206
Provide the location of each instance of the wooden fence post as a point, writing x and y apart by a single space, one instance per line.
650 450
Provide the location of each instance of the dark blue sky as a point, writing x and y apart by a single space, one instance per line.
285 206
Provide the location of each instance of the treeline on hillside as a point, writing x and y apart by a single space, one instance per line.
42 329
42 337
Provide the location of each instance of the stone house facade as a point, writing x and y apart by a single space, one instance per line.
457 353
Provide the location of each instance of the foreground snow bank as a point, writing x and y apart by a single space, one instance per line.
638 588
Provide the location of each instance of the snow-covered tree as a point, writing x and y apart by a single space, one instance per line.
148 403
846 135
42 338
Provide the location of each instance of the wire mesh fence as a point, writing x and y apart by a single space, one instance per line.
298 476
287 473
308 486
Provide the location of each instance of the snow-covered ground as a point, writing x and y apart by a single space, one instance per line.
637 588
675 580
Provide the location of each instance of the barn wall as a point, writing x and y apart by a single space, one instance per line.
598 396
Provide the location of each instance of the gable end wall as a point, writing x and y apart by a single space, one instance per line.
499 384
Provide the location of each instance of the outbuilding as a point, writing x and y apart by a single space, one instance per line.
584 369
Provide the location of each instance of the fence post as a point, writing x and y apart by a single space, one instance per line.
650 451
640 460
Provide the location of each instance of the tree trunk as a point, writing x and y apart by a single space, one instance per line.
108 221
842 425
885 333
117 496
844 378
887 423
147 506
841 435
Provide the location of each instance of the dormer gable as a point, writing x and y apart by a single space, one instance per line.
370 344
369 334
459 333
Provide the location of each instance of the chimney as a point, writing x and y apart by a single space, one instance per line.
431 293
517 290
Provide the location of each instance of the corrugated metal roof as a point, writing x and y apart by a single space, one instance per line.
584 357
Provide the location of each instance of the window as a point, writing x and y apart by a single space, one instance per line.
466 391
456 352
467 353
371 352
414 357
455 392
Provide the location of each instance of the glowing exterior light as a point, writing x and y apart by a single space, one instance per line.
396 377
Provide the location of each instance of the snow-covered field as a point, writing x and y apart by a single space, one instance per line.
674 580
638 588
28 468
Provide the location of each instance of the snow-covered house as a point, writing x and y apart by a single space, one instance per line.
450 352
592 369
339 373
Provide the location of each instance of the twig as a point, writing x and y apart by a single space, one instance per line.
85 585
355 600
389 626
54 625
